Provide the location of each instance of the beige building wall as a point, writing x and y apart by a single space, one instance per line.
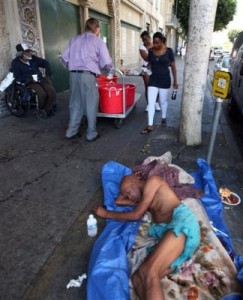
131 26
139 13
128 18
129 15
101 6
5 52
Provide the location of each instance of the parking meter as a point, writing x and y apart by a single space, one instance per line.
221 84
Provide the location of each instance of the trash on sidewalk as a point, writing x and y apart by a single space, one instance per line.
228 197
216 230
76 282
6 81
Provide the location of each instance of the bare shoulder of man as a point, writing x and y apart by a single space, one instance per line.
154 181
151 186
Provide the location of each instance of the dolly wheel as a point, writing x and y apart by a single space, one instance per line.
118 123
41 114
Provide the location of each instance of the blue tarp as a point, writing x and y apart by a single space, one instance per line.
212 203
108 272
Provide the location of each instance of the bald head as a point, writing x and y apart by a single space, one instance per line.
131 188
128 179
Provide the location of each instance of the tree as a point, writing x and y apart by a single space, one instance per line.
195 73
225 12
232 34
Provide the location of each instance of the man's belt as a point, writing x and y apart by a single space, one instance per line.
83 71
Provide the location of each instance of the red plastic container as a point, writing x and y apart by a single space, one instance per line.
111 98
130 94
102 79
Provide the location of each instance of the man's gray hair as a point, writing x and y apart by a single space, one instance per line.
91 25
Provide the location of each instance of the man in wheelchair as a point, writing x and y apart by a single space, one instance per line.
26 71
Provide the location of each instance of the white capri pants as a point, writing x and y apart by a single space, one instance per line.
152 96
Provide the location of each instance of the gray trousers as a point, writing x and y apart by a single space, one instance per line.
84 99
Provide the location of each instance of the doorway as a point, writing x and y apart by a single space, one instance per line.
60 21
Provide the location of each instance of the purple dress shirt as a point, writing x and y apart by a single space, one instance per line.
86 52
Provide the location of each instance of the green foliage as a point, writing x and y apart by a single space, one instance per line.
183 8
226 10
233 33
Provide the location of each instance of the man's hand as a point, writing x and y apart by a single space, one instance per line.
48 79
110 76
124 201
100 211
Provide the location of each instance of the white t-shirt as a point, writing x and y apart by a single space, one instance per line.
142 47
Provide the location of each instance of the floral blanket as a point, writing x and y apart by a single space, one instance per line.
210 274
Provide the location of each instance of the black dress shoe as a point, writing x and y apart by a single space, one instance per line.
77 135
54 108
50 113
94 139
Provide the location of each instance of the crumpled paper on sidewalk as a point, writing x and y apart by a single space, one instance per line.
6 81
76 282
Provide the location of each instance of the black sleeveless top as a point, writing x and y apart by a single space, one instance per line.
160 77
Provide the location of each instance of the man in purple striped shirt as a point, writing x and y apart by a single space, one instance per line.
85 56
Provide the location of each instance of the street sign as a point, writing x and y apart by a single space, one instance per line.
221 83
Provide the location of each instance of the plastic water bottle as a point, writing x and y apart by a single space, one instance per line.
173 96
92 226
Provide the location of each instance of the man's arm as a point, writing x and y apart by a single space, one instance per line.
65 55
149 191
122 200
105 61
143 54
120 216
16 71
43 63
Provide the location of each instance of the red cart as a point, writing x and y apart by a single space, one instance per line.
117 100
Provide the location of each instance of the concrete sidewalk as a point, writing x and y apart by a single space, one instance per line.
49 186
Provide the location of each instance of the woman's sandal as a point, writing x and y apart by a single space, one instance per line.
147 129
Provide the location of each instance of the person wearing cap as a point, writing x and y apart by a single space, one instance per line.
24 66
85 55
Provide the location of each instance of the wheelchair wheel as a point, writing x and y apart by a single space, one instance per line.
14 103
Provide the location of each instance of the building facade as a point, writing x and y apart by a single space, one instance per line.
47 25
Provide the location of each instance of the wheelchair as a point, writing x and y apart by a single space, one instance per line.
20 99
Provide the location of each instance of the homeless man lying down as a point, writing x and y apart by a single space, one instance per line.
173 224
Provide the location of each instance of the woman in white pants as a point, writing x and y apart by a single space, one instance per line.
143 50
160 58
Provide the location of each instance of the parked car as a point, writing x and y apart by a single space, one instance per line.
222 63
235 101
211 54
217 50
226 51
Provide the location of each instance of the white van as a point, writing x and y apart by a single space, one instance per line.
235 101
